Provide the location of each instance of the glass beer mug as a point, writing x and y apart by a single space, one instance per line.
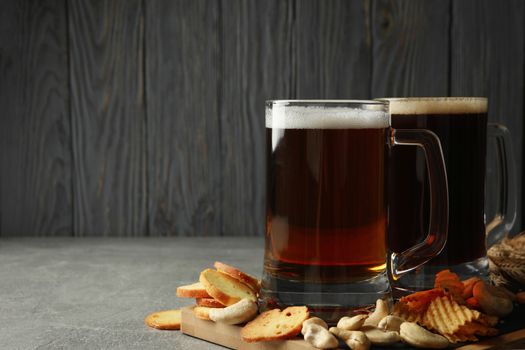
461 125
327 210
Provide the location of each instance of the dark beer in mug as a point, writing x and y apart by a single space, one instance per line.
461 125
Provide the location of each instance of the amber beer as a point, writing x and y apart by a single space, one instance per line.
326 205
461 125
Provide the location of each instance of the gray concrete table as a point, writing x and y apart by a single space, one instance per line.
74 293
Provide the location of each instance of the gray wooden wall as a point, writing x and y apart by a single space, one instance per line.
132 118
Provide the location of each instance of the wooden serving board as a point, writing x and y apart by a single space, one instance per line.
229 336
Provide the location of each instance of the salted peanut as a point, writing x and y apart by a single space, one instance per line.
419 337
390 323
202 312
240 312
356 340
379 313
319 336
492 300
243 277
195 290
468 285
351 323
520 297
224 288
169 319
315 320
379 337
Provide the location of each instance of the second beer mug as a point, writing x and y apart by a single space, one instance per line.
461 124
327 207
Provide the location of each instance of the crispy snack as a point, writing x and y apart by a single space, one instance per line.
403 310
202 312
275 324
418 302
473 303
243 277
450 283
456 322
195 290
208 302
224 288
169 319
468 285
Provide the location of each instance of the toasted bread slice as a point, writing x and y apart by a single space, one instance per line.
195 290
202 312
275 324
209 302
169 319
234 272
224 288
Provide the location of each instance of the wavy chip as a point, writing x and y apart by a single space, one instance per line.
402 310
456 322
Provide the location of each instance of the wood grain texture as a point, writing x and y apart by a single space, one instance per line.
107 116
257 65
35 156
410 41
487 57
332 45
506 59
184 148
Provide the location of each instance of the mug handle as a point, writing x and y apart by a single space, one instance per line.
506 213
433 244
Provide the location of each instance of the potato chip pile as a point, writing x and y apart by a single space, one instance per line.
450 308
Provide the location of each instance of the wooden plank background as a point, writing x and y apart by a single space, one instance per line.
134 118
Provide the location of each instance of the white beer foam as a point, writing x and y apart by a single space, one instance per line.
437 105
319 117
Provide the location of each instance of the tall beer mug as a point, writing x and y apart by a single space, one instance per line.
327 210
461 125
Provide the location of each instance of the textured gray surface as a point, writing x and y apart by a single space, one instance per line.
94 293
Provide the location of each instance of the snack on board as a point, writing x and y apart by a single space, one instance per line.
492 300
195 290
224 288
419 337
202 312
240 312
243 277
275 324
450 283
418 302
208 302
456 322
356 340
168 319
380 312
319 336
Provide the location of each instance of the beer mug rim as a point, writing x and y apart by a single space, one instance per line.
436 105
366 104
327 114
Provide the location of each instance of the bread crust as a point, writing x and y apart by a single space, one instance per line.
275 324
224 288
243 277
167 319
195 290
209 302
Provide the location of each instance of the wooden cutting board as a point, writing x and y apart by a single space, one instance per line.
229 336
